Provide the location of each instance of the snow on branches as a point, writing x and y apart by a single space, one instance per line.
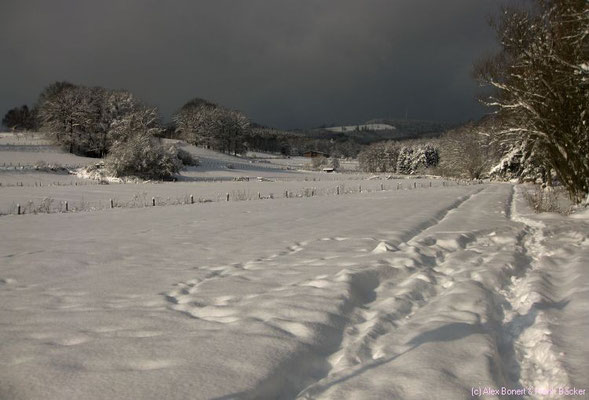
540 80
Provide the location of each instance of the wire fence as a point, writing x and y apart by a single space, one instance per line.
142 200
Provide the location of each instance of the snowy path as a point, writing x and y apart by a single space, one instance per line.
368 296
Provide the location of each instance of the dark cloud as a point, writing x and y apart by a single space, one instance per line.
294 63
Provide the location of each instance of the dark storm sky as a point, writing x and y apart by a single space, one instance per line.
285 63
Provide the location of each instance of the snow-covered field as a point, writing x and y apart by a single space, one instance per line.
434 293
248 178
373 295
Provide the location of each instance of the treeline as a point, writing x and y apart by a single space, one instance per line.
115 125
467 152
297 143
111 124
398 157
539 82
210 125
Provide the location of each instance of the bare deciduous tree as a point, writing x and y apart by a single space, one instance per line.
468 151
540 79
205 124
83 120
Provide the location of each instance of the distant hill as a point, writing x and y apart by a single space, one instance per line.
346 140
417 128
383 129
364 127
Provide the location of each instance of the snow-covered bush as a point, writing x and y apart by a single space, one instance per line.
546 200
143 156
137 152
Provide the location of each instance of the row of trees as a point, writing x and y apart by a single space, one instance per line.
206 124
88 120
540 82
469 151
98 122
408 158
95 122
292 143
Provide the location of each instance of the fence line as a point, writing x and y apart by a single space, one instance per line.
45 206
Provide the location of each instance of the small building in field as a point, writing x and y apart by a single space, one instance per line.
315 154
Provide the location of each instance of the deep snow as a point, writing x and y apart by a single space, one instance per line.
394 294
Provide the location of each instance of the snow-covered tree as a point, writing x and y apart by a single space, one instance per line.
206 124
143 121
368 159
117 105
405 161
468 151
391 156
429 156
70 117
83 119
379 157
394 157
541 80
